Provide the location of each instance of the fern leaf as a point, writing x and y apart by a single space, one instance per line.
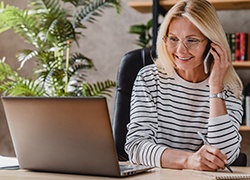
74 2
86 10
6 72
23 87
47 6
78 66
99 88
79 62
25 55
61 30
22 23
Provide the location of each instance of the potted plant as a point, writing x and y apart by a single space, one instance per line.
51 26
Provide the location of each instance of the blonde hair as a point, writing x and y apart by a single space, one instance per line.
203 15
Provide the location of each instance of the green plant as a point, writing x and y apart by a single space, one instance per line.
51 26
145 33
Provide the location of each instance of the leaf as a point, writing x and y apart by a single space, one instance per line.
47 7
22 23
88 9
145 33
137 29
62 31
97 89
14 85
26 55
25 87
6 71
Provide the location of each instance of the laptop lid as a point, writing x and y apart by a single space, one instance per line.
68 135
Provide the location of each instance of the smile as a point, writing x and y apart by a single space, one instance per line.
183 58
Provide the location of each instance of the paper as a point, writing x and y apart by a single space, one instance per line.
8 163
222 174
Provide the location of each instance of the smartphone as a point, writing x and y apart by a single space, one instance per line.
208 60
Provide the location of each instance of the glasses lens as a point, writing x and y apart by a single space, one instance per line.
191 43
173 42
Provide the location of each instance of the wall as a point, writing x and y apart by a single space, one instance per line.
105 42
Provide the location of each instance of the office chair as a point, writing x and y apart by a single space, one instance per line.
246 92
130 65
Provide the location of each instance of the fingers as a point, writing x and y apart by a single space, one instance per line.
211 158
220 66
215 156
220 55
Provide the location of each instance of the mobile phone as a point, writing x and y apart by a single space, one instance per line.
208 59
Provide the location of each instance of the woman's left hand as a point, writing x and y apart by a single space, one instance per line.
219 68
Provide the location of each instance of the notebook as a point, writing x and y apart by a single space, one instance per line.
221 174
64 134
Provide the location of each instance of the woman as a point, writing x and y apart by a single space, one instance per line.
174 98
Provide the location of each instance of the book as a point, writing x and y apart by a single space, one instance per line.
221 174
232 45
239 43
231 38
237 46
243 45
248 46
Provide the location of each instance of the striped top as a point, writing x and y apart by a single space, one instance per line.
167 111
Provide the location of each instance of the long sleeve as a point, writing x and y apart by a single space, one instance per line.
141 146
223 131
167 112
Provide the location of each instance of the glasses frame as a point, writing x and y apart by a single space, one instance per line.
165 38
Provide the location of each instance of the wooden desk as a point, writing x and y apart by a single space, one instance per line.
154 174
244 128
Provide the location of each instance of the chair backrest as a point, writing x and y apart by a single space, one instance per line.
246 92
241 160
130 65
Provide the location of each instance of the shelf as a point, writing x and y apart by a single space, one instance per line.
145 6
241 64
244 128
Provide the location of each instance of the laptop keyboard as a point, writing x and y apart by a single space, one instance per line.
127 167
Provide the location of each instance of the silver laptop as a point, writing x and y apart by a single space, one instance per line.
67 135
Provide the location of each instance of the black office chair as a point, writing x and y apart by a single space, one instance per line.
129 66
241 160
246 92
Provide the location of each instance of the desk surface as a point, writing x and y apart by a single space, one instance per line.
154 174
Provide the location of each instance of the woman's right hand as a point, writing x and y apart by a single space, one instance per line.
207 158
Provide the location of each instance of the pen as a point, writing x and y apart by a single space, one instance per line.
206 142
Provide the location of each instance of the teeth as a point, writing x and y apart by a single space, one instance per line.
183 58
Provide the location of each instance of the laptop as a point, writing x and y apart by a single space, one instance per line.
65 135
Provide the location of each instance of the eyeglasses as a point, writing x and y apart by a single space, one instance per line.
189 43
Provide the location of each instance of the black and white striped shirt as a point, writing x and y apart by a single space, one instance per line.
167 112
